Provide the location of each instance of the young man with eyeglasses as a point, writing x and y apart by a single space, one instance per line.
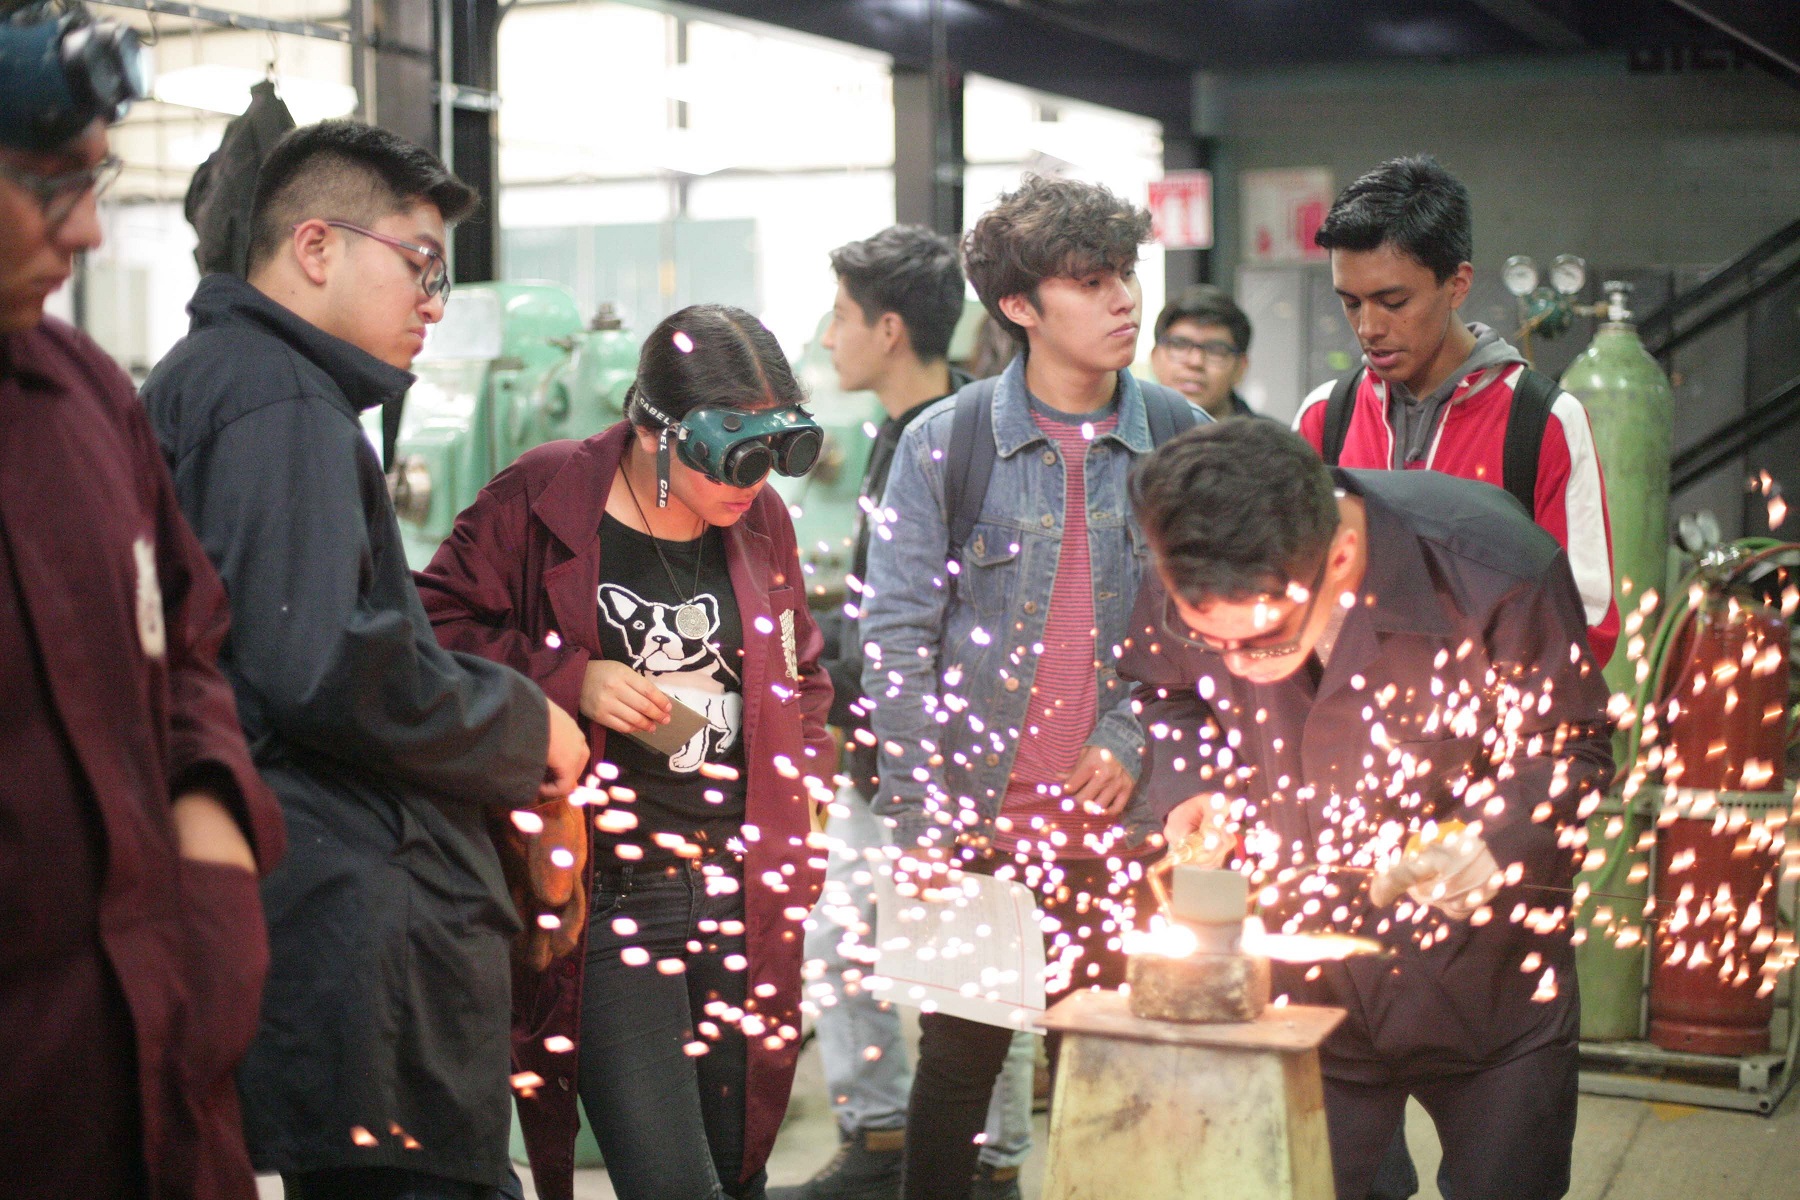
1203 349
381 1066
132 822
1373 691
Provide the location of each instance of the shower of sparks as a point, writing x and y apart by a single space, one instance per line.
1302 885
1312 894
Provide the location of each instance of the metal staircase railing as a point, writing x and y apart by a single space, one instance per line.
1768 265
1732 439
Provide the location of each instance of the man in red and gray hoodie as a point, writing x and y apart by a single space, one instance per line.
1436 393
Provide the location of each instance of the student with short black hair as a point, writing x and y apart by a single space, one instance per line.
1203 349
648 577
899 296
1374 689
1440 394
380 1068
1007 743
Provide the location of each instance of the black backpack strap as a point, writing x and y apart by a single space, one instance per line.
1338 411
1167 410
970 463
1533 397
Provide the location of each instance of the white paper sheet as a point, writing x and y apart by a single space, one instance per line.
977 955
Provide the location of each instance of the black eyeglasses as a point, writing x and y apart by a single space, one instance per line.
434 276
57 195
1256 649
1216 353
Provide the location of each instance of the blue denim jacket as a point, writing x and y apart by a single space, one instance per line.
950 670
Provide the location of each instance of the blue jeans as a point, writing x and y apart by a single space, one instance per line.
670 1125
872 1093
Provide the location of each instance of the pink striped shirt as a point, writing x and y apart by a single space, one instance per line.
1064 705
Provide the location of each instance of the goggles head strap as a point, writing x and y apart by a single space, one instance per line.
669 428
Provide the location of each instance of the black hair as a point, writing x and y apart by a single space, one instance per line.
1049 228
709 356
346 171
911 272
1208 305
1235 510
1422 209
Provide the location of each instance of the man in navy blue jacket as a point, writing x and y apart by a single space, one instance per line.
1376 686
382 1062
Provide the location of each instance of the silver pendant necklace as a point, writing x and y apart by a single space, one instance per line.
690 619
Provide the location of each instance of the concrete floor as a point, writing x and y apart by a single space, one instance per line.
1624 1150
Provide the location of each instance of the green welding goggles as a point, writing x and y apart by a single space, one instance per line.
734 447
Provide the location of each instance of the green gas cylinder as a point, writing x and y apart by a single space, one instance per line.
1631 411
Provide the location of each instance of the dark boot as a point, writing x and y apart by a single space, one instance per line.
865 1167
995 1183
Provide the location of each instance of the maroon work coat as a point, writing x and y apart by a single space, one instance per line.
111 594
518 581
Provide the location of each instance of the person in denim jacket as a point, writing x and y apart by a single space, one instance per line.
1007 740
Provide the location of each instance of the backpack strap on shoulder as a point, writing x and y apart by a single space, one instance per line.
970 462
1167 410
1338 411
1533 398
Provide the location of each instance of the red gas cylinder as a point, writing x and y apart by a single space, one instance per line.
1717 868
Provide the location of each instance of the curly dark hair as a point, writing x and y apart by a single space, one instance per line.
1235 510
710 356
1413 203
1046 229
912 272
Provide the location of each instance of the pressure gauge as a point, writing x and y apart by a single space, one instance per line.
1568 273
1520 275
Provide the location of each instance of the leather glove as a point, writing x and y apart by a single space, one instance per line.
544 873
1453 871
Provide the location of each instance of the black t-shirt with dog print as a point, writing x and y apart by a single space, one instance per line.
696 658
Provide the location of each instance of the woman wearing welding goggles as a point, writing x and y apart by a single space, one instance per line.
649 579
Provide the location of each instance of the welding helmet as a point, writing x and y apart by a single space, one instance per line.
732 446
62 71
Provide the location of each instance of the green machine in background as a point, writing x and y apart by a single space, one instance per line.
514 365
511 366
1630 409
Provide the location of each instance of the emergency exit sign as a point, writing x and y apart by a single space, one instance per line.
1282 212
1181 210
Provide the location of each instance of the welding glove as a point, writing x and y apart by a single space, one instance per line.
1452 871
1198 831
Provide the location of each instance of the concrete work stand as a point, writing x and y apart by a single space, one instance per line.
1160 1111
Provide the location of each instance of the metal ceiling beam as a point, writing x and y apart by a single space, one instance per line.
226 20
1765 29
988 37
1097 29
1528 18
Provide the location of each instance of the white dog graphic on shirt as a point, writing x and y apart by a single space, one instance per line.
690 670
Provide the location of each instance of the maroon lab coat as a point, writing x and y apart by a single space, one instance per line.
524 563
129 977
